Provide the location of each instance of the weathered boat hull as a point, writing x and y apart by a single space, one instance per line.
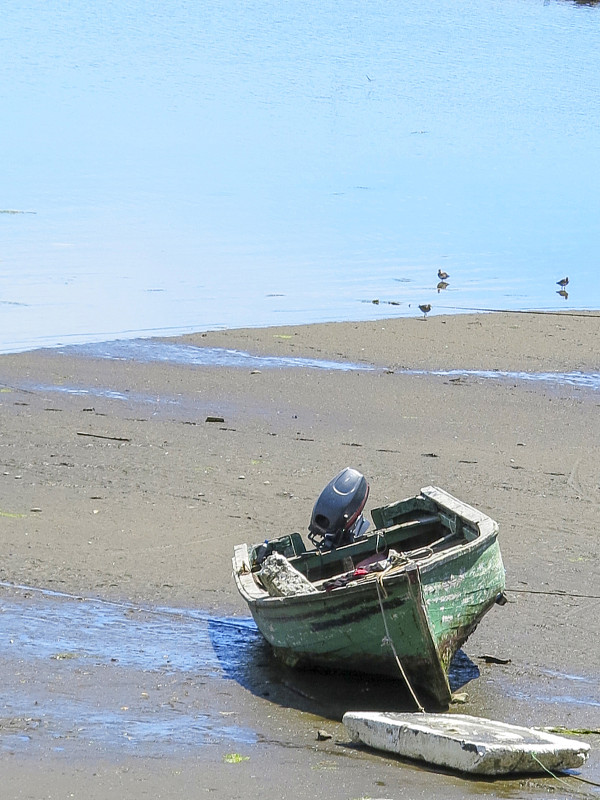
419 615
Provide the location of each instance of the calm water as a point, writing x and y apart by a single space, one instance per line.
185 166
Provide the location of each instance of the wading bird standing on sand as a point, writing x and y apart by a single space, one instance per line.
425 308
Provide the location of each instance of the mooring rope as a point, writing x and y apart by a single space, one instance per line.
544 312
555 593
561 780
388 640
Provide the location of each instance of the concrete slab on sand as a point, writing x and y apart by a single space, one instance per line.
466 744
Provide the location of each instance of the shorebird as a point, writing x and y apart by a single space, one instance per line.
442 285
442 275
563 293
562 283
425 308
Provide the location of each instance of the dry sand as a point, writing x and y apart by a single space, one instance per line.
140 500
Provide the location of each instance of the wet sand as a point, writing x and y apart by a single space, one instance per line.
136 500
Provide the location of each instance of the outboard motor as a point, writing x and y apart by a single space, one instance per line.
337 516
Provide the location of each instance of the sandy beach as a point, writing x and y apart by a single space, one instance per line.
116 489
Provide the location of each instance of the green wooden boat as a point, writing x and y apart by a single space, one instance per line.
398 602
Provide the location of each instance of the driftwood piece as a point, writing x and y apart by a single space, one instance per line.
102 436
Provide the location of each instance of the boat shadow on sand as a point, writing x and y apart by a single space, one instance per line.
246 658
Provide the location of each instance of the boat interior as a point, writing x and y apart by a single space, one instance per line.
416 528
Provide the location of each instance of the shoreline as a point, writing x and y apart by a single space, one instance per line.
142 502
557 341
534 324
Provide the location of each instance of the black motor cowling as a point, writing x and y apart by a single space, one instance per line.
337 516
